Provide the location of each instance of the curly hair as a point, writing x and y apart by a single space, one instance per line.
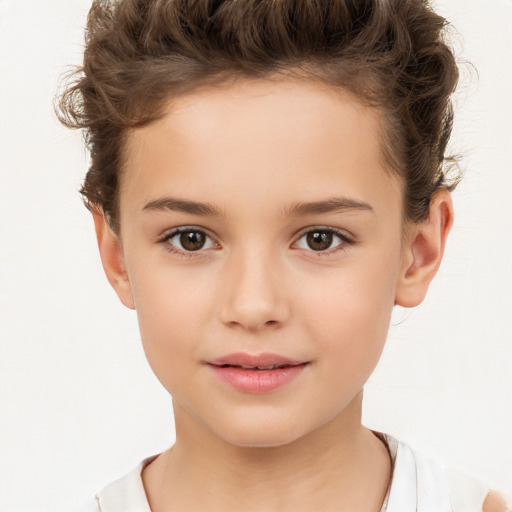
391 54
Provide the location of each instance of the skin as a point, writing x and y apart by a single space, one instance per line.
253 149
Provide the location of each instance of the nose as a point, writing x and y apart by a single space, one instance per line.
254 295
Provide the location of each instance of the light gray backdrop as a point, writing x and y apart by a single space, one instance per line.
79 405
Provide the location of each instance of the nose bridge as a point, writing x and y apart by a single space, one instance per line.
254 295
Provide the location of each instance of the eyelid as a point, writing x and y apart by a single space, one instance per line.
337 231
171 233
347 240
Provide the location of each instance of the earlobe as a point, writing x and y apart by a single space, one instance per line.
423 251
112 259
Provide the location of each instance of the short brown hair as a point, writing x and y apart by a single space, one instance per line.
392 54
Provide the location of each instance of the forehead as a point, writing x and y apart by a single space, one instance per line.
277 139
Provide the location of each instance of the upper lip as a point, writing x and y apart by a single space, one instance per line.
253 361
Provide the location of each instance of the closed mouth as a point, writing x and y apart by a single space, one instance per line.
261 362
260 374
260 368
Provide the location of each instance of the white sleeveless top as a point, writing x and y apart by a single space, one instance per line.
418 484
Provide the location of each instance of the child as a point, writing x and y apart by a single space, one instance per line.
268 180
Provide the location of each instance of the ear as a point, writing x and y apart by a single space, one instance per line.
423 250
112 258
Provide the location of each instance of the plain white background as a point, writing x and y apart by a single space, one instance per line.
79 404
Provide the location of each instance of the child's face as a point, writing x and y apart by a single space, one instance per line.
256 284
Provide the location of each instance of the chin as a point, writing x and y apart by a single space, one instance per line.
259 434
257 440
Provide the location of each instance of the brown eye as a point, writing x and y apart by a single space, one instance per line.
187 240
192 240
319 240
327 240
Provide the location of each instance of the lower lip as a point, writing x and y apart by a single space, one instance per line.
257 381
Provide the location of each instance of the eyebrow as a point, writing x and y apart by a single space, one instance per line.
183 205
331 205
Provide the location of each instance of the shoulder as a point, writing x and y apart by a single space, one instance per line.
466 492
427 484
464 488
126 494
91 506
494 502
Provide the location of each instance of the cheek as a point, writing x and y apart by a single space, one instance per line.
348 314
170 306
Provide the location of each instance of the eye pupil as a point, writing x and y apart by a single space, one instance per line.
192 240
319 240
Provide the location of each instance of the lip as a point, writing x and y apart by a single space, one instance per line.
264 359
233 370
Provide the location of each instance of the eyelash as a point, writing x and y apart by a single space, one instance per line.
346 241
178 252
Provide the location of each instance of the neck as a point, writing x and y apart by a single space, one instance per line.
340 466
